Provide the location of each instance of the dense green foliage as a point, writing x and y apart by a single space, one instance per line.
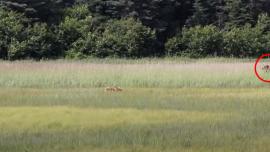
196 42
128 28
243 41
11 29
120 38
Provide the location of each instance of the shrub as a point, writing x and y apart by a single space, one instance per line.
11 29
78 11
84 46
76 23
244 41
121 38
175 46
263 23
36 44
20 40
196 42
125 38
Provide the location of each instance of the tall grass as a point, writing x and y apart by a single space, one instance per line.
170 105
129 73
148 120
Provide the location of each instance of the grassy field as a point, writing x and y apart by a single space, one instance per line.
127 73
171 105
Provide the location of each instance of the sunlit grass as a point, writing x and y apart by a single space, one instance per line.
191 119
151 74
34 119
170 105
198 99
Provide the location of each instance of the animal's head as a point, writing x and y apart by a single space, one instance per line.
266 67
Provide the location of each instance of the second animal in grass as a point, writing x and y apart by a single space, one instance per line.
266 68
113 89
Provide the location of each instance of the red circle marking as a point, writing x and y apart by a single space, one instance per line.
255 68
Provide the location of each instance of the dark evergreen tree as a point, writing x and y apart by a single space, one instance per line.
200 13
208 12
218 12
238 13
39 10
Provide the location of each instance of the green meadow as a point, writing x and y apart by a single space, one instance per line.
167 105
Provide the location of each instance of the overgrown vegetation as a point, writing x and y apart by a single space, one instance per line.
127 28
207 105
167 105
130 74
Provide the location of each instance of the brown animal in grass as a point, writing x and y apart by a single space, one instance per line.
266 68
113 89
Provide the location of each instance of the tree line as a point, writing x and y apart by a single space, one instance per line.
49 29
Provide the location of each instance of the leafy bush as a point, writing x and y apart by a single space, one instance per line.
196 42
125 38
76 23
121 38
175 46
263 23
20 40
84 46
11 29
244 41
78 11
37 44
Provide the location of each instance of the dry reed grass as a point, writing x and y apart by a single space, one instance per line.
148 74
